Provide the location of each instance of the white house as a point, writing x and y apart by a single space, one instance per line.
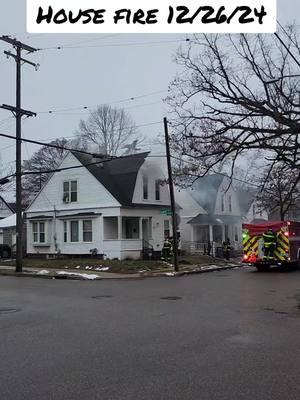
219 214
117 207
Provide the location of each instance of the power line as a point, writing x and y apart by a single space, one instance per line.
132 98
114 45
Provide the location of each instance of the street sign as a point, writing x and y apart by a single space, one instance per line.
165 211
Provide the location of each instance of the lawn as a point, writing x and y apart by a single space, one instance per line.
114 266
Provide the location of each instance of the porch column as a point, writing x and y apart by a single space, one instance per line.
119 228
211 233
223 233
192 233
141 228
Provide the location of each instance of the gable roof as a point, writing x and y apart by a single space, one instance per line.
118 176
8 205
204 191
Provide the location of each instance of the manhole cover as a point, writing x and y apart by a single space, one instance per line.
102 297
8 310
171 298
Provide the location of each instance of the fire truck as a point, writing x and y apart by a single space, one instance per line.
286 251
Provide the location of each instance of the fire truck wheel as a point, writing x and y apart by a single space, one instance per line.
262 268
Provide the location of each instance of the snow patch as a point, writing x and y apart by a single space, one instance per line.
43 272
102 269
85 276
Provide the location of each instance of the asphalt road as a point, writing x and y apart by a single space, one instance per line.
231 335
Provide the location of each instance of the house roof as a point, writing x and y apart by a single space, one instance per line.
209 219
118 176
8 222
8 205
204 191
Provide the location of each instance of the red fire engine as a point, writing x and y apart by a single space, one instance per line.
286 249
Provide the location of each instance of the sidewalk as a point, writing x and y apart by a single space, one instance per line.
53 273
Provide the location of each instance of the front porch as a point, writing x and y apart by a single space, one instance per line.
209 232
127 237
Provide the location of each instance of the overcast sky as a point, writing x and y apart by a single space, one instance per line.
74 78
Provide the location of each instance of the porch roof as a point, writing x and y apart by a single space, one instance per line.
209 219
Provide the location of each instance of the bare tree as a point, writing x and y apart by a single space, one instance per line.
237 94
280 192
110 129
46 158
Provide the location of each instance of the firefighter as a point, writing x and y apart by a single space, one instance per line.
226 249
167 249
270 240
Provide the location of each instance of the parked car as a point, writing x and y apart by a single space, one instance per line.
5 251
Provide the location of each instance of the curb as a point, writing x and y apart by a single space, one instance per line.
126 277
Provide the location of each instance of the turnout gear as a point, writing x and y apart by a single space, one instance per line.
226 249
167 250
270 240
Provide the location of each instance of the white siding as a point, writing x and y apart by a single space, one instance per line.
227 192
91 193
189 209
153 172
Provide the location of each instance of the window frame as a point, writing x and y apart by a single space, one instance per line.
157 190
145 188
90 231
230 203
71 231
70 195
38 233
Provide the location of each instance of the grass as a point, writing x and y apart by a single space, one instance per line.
115 266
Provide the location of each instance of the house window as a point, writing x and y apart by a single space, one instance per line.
223 203
236 234
74 231
254 210
87 229
65 231
166 228
157 190
70 191
229 204
38 229
145 188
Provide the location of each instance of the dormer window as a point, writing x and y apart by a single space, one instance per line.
223 203
70 192
145 187
157 190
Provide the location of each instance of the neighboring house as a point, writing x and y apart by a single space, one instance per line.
222 217
8 231
5 209
188 208
255 213
119 207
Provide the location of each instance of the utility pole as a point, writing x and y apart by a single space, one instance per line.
172 197
18 112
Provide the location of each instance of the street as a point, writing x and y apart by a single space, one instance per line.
217 336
